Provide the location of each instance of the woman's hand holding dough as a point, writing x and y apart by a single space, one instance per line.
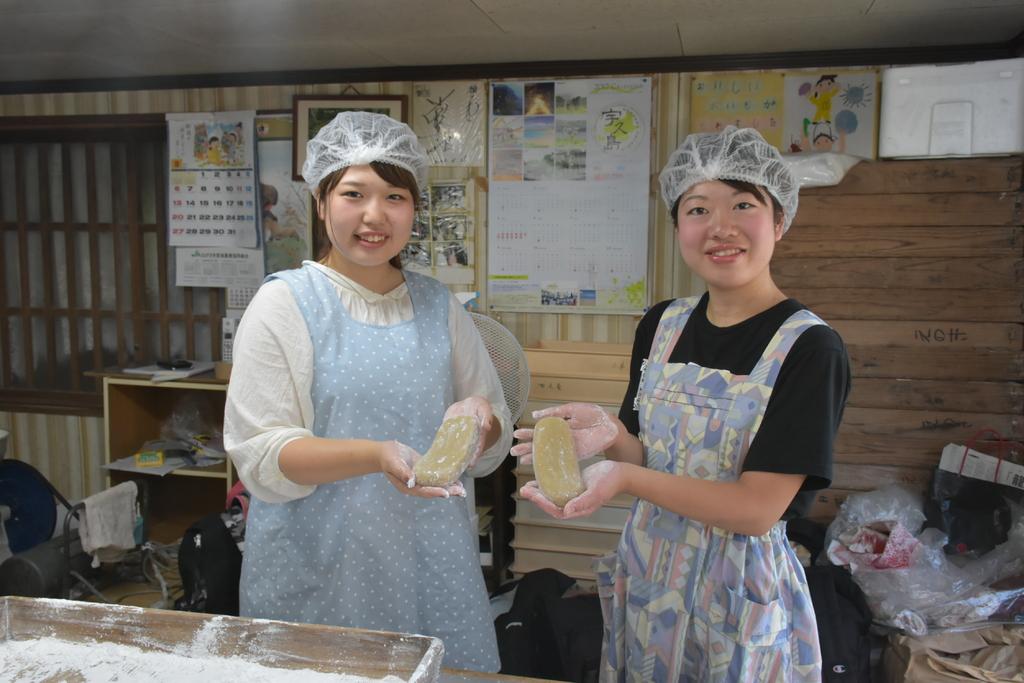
396 462
480 409
592 430
603 481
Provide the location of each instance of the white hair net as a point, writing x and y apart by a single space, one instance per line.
731 154
355 138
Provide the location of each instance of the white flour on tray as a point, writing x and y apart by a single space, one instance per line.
52 660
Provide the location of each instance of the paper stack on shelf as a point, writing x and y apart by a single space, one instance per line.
157 373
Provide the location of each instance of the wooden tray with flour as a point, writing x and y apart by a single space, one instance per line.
44 639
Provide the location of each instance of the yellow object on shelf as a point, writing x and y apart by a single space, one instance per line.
149 458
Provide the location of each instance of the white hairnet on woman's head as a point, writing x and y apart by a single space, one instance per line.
355 138
731 154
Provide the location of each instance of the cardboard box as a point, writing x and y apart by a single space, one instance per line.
990 653
971 463
953 110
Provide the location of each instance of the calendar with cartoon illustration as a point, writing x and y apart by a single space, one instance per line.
212 194
569 195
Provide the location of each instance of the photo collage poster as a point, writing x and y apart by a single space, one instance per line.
569 163
442 241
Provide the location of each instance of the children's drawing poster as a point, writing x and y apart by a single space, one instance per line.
212 193
448 117
831 111
744 100
284 203
569 195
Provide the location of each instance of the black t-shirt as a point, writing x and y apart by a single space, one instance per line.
806 404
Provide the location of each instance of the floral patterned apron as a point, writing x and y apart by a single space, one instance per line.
685 601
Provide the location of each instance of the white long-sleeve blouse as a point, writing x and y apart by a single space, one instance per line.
269 399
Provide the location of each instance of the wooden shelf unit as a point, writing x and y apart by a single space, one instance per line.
562 372
134 410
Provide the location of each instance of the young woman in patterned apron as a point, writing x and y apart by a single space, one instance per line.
343 371
730 416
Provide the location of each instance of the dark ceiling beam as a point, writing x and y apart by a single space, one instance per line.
938 54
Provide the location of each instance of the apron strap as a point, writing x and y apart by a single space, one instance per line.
671 325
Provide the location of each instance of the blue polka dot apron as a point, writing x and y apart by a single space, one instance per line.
357 552
682 600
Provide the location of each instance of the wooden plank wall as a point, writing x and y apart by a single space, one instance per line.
918 265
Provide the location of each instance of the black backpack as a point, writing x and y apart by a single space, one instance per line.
842 613
546 635
210 565
974 514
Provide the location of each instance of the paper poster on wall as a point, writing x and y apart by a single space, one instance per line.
212 191
831 111
448 117
569 195
218 267
442 241
744 100
284 203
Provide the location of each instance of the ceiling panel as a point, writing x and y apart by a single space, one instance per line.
889 30
927 6
68 39
519 15
539 46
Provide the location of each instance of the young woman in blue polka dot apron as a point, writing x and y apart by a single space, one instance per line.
734 401
335 534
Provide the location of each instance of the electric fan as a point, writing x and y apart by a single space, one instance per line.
509 361
26 505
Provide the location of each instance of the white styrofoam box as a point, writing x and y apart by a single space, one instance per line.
953 110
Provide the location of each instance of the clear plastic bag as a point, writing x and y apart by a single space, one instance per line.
933 591
820 169
193 426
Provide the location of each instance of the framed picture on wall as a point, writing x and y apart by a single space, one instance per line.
312 112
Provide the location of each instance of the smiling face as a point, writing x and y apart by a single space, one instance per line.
727 235
368 220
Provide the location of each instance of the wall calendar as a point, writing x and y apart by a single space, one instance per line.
569 166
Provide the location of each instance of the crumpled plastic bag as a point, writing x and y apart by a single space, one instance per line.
193 426
929 591
884 508
820 169
881 549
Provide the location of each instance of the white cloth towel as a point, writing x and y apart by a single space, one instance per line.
109 521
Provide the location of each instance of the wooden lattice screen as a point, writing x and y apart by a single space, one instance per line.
85 280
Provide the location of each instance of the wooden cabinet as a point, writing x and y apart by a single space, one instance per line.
134 411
